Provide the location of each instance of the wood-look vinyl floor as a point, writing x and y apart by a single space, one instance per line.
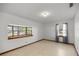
44 48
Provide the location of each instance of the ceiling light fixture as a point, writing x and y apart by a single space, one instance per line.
44 14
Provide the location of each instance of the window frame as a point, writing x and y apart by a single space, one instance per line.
18 32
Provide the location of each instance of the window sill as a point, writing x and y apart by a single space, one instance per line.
20 36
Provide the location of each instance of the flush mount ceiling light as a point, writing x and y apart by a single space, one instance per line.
44 13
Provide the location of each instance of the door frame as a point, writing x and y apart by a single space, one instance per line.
65 39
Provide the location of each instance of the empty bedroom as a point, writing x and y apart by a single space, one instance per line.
39 29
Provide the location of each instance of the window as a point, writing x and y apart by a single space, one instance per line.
65 29
62 29
18 31
29 30
22 30
15 30
9 30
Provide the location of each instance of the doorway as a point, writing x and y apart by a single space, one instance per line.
62 32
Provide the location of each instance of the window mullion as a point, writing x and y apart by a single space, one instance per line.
12 31
18 32
26 31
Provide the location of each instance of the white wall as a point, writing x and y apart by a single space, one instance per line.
77 31
39 31
50 29
6 44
